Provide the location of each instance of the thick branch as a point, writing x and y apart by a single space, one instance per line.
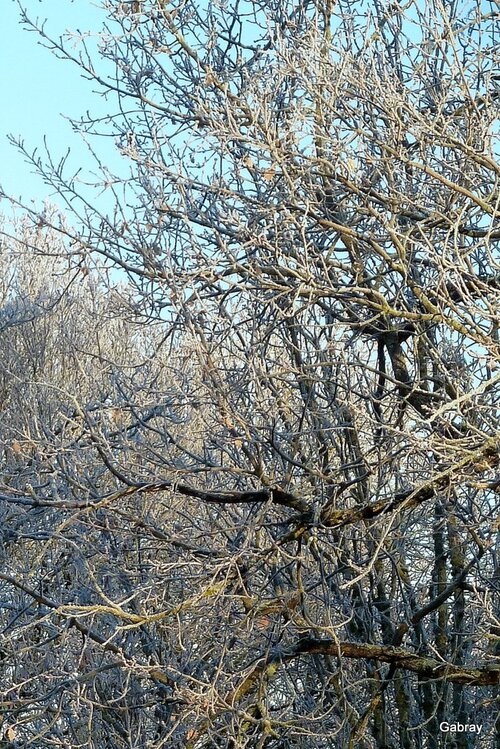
397 657
479 460
400 658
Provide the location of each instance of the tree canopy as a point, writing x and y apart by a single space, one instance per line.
249 410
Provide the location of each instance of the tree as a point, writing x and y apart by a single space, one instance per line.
277 504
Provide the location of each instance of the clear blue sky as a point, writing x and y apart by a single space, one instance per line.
37 90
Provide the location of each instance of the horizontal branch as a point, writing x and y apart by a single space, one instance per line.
400 658
421 665
276 495
267 667
479 460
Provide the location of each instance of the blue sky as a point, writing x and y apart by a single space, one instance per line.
37 90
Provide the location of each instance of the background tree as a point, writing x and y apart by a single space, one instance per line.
252 499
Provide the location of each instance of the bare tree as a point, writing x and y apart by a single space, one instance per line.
262 510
